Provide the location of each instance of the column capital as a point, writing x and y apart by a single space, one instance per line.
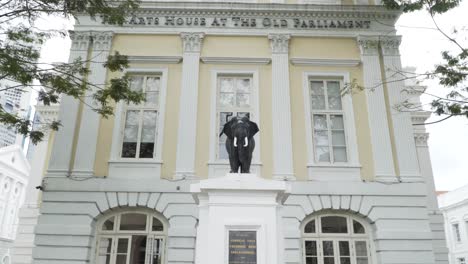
421 139
369 45
390 45
102 41
279 43
80 40
192 42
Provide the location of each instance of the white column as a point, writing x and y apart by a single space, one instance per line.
88 132
401 120
376 108
186 138
59 165
281 108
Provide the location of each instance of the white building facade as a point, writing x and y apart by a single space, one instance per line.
454 206
341 177
14 172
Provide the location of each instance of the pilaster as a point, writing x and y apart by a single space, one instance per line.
401 120
281 108
61 154
88 132
186 138
376 108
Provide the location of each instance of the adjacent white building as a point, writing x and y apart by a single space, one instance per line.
454 206
14 172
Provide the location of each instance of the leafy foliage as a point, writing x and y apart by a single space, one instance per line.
452 73
20 43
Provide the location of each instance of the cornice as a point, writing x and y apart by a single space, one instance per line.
235 60
155 59
325 62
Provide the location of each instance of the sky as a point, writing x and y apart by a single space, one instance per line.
421 47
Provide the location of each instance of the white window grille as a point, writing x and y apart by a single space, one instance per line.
335 239
328 125
131 237
234 98
140 121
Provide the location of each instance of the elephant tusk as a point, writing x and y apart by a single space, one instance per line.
235 142
246 142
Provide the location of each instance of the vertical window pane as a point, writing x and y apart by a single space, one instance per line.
327 248
224 117
148 134
321 138
311 248
226 85
122 245
104 250
156 250
317 95
133 221
361 260
243 85
138 249
361 248
121 259
334 95
337 122
226 99
338 138
345 260
334 224
157 225
322 154
152 91
311 260
320 122
344 248
130 134
243 100
136 83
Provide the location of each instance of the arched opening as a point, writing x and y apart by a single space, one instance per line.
131 237
335 239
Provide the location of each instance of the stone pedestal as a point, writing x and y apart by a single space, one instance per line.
239 219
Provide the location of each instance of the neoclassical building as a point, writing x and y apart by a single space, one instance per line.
341 175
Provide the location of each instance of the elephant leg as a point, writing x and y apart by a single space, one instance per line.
235 164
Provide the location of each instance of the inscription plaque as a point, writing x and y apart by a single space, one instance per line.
242 247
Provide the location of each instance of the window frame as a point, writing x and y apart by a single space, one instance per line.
116 233
120 167
456 232
350 236
342 171
218 167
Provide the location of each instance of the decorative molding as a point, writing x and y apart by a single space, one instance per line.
192 42
325 62
235 60
420 117
155 59
279 43
102 40
421 139
390 45
80 40
369 45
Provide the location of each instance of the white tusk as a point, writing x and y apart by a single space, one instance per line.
235 142
246 142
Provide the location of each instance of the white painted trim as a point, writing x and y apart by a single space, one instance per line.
350 169
117 133
255 118
235 60
325 62
155 59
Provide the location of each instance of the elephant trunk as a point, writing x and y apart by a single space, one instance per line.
235 141
246 143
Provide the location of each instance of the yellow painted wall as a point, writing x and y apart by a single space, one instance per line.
253 47
326 48
132 45
217 46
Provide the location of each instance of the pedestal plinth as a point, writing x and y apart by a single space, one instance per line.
239 220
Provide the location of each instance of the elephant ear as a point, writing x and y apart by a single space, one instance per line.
253 129
227 129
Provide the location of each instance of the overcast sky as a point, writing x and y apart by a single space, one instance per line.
421 48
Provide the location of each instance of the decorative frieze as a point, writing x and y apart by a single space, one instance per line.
369 45
80 40
390 45
192 42
279 43
102 40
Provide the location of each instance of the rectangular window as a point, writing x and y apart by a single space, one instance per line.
461 261
328 130
234 98
140 129
456 232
